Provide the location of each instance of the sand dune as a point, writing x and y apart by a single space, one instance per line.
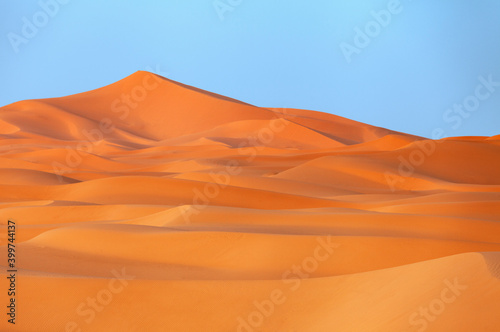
150 205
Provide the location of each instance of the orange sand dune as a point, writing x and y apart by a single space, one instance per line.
150 205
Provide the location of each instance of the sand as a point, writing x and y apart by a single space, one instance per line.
150 205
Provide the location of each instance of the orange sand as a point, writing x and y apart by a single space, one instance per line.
149 205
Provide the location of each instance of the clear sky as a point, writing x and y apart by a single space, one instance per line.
409 65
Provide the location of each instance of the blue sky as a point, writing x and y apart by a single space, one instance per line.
412 66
